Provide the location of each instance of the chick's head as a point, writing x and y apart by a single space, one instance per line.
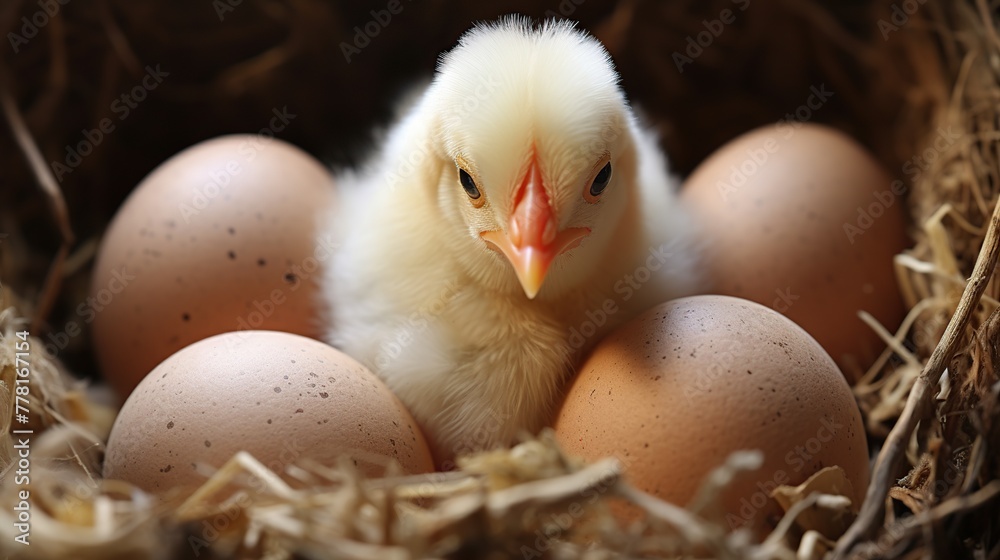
536 142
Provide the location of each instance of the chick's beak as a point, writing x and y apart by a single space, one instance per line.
532 240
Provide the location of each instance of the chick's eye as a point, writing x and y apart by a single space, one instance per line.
468 184
601 181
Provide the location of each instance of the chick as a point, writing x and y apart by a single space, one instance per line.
514 215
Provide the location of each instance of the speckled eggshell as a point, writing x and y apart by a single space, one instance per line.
804 220
675 391
221 237
279 396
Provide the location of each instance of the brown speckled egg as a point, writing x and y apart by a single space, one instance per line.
279 396
672 393
221 237
802 219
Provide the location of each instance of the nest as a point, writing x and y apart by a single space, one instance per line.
930 402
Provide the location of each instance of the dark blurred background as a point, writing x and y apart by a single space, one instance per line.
66 63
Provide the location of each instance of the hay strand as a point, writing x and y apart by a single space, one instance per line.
49 186
919 404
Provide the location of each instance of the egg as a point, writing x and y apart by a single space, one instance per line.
221 237
281 397
675 391
802 219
